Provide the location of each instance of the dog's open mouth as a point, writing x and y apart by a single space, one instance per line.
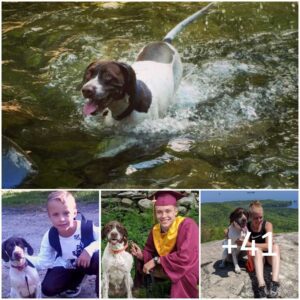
114 241
93 107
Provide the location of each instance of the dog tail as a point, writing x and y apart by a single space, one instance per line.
179 27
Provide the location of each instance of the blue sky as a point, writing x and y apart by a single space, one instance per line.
223 196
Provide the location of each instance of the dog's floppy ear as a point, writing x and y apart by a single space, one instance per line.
80 85
246 213
28 246
130 78
232 216
104 232
5 256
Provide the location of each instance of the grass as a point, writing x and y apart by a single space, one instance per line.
215 217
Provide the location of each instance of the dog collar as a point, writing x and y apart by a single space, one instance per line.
120 250
20 268
140 100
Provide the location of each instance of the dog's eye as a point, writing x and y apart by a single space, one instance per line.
89 74
107 76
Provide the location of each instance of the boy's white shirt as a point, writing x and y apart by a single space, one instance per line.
47 255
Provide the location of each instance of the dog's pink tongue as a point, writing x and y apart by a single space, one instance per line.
89 108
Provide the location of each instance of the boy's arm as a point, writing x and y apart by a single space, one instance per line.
46 256
94 246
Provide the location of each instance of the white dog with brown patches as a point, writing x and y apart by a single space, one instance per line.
24 278
237 230
116 262
120 92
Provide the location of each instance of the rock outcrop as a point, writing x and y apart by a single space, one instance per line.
225 283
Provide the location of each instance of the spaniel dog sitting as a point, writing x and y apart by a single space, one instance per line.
24 278
116 262
236 230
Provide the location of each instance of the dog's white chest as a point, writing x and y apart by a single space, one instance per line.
24 282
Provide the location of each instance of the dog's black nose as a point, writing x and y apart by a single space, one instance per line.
114 235
17 255
88 91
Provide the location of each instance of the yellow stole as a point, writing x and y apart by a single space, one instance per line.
165 241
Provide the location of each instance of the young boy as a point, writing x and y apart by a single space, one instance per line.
69 249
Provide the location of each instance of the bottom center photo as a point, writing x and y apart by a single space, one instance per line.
150 244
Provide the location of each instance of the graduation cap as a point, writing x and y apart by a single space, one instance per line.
165 197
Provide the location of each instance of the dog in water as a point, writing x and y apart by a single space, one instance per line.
120 92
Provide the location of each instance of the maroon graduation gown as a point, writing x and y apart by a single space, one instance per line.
182 264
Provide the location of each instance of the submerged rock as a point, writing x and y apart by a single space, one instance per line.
17 166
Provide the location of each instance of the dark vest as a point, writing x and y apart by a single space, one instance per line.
87 236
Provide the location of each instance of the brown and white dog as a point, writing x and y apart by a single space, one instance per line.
24 278
119 91
236 230
116 262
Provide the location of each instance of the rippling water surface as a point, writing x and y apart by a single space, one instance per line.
235 121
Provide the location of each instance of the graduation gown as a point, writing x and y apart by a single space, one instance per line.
182 264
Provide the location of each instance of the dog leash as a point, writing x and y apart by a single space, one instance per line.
149 283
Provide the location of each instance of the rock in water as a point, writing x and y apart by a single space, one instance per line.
16 165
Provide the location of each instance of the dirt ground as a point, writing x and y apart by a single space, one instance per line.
31 224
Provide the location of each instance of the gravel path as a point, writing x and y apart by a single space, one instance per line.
31 223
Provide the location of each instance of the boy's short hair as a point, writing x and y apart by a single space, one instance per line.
62 196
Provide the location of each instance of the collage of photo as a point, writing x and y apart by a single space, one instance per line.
149 149
150 244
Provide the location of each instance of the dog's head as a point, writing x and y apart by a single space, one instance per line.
240 217
115 233
13 249
105 82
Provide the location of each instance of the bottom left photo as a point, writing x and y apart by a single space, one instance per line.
50 244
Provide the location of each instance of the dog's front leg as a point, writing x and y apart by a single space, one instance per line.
38 291
14 293
105 285
128 284
224 256
235 261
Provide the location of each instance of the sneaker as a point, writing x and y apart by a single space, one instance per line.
71 293
274 285
262 292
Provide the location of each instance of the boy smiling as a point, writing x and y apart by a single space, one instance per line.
69 249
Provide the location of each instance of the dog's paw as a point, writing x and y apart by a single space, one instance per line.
237 269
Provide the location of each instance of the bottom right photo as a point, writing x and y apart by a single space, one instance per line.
249 244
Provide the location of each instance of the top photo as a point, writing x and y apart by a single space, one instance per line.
150 95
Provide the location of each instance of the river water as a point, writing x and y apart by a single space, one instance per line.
235 121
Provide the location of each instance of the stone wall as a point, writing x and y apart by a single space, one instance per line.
139 200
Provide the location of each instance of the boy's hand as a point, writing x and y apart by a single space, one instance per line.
83 260
148 266
136 251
